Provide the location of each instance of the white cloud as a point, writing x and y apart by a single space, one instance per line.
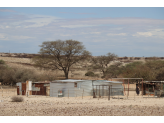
115 21
7 27
3 37
145 34
77 26
40 20
21 37
95 32
151 33
115 34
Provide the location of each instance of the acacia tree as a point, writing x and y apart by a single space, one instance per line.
61 55
102 62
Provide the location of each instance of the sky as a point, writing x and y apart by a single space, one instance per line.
125 31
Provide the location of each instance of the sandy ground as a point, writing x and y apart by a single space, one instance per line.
88 106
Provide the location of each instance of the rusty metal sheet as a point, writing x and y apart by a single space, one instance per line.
17 90
23 86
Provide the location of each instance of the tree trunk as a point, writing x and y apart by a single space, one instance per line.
66 74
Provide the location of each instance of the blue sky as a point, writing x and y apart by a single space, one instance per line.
125 31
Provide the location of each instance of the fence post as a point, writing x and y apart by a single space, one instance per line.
2 93
82 93
76 93
68 93
99 91
109 93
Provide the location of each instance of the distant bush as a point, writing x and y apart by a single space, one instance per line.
17 99
2 62
90 73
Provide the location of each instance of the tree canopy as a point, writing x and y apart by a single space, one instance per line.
101 63
61 55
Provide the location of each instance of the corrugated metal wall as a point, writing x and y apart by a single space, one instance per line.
85 88
38 89
69 90
66 88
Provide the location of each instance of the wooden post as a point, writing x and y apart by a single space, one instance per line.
128 87
76 93
142 87
154 89
68 93
160 89
109 93
105 91
102 91
2 91
148 89
82 93
124 87
99 91
96 90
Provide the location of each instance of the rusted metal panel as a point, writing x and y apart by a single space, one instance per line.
23 88
17 90
38 89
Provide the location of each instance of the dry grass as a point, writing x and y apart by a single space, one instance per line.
78 70
88 106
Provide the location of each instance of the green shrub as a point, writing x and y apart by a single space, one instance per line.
90 73
17 99
2 62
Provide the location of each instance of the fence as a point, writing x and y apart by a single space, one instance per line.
104 91
8 92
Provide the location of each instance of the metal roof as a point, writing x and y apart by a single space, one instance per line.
126 78
73 80
42 82
69 80
108 81
153 81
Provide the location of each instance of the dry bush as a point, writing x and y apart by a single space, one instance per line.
17 99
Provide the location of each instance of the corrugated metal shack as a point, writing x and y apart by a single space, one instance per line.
75 88
153 88
70 88
33 88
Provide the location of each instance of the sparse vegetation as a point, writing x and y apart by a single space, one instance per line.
101 63
17 99
104 66
2 62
